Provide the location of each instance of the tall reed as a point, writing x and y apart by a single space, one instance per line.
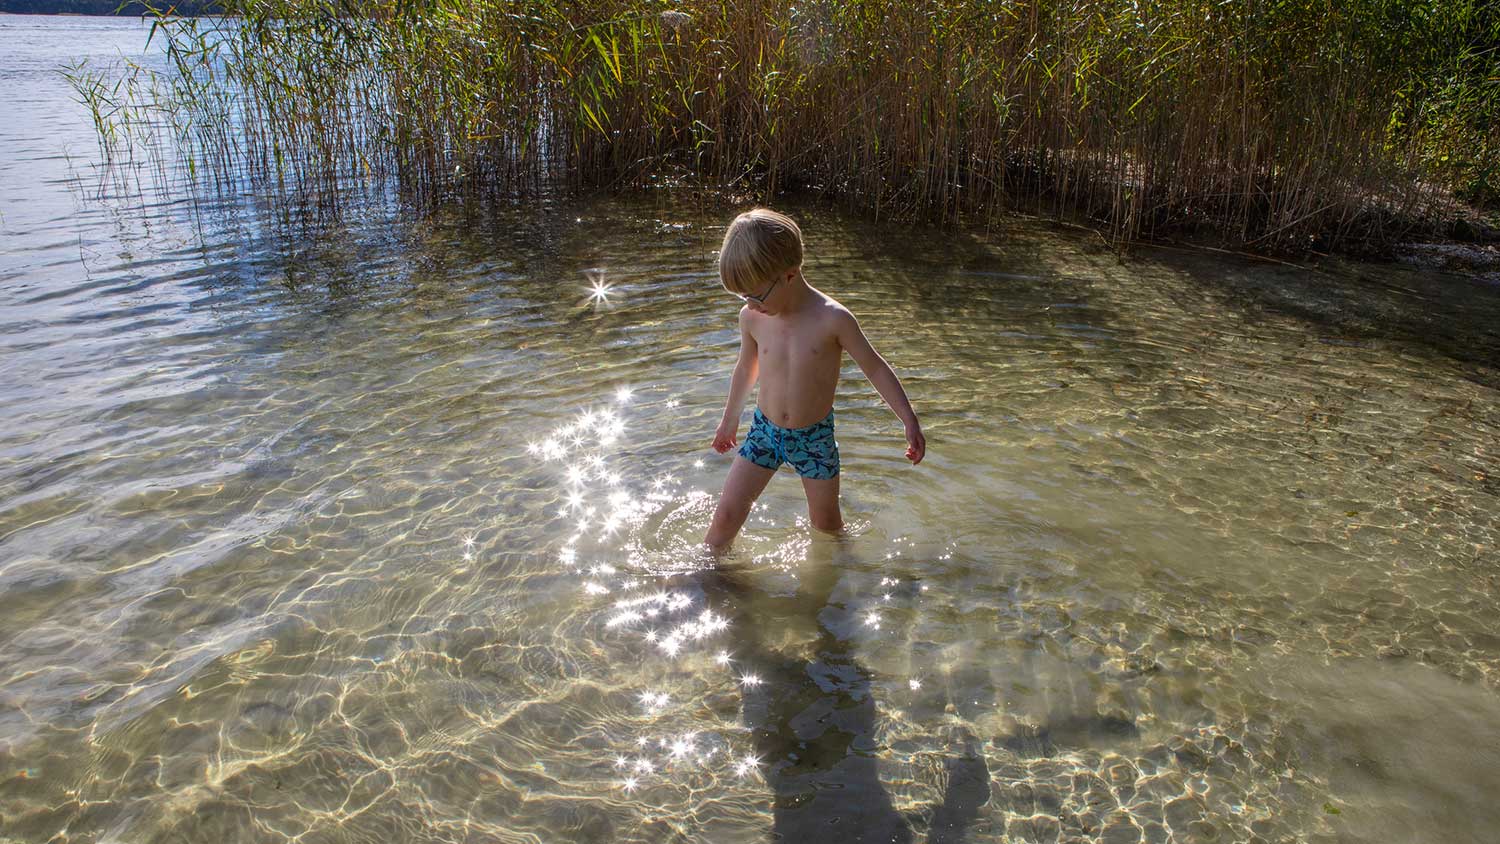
1274 124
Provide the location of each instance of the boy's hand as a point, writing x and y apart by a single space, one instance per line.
916 444
724 438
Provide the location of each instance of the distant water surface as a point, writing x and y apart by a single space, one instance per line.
388 534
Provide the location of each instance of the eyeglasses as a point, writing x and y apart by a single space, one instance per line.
761 299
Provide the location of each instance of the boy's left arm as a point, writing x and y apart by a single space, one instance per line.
884 379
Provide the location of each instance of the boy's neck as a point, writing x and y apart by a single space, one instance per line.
797 293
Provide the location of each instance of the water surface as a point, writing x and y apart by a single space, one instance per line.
388 533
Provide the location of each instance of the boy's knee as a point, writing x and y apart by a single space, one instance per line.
728 514
726 525
722 530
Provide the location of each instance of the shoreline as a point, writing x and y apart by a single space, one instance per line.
107 9
1443 232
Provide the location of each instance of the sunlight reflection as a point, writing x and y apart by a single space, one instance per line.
640 607
604 513
599 289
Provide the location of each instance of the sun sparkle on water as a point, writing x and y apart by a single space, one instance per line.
599 289
637 606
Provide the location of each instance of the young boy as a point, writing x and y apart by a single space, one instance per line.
792 338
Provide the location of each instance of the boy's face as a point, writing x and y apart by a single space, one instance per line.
764 301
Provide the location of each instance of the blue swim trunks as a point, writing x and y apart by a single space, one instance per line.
812 451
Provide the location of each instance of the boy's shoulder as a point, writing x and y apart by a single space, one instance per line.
836 318
831 308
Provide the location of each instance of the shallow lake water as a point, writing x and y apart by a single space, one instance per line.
389 534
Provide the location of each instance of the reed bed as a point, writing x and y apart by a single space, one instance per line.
1271 124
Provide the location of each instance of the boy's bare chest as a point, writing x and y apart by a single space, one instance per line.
797 348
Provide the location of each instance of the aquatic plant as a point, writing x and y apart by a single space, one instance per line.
1276 124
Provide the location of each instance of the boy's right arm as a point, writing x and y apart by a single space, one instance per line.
746 370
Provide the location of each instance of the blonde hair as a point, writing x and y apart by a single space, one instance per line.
759 245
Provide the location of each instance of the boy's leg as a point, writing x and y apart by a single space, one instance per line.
744 484
823 503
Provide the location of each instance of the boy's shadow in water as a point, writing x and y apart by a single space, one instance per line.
813 717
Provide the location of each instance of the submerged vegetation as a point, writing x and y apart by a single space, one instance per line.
1271 124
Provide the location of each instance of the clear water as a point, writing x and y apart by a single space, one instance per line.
389 535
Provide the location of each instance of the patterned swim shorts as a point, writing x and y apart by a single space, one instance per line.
812 451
